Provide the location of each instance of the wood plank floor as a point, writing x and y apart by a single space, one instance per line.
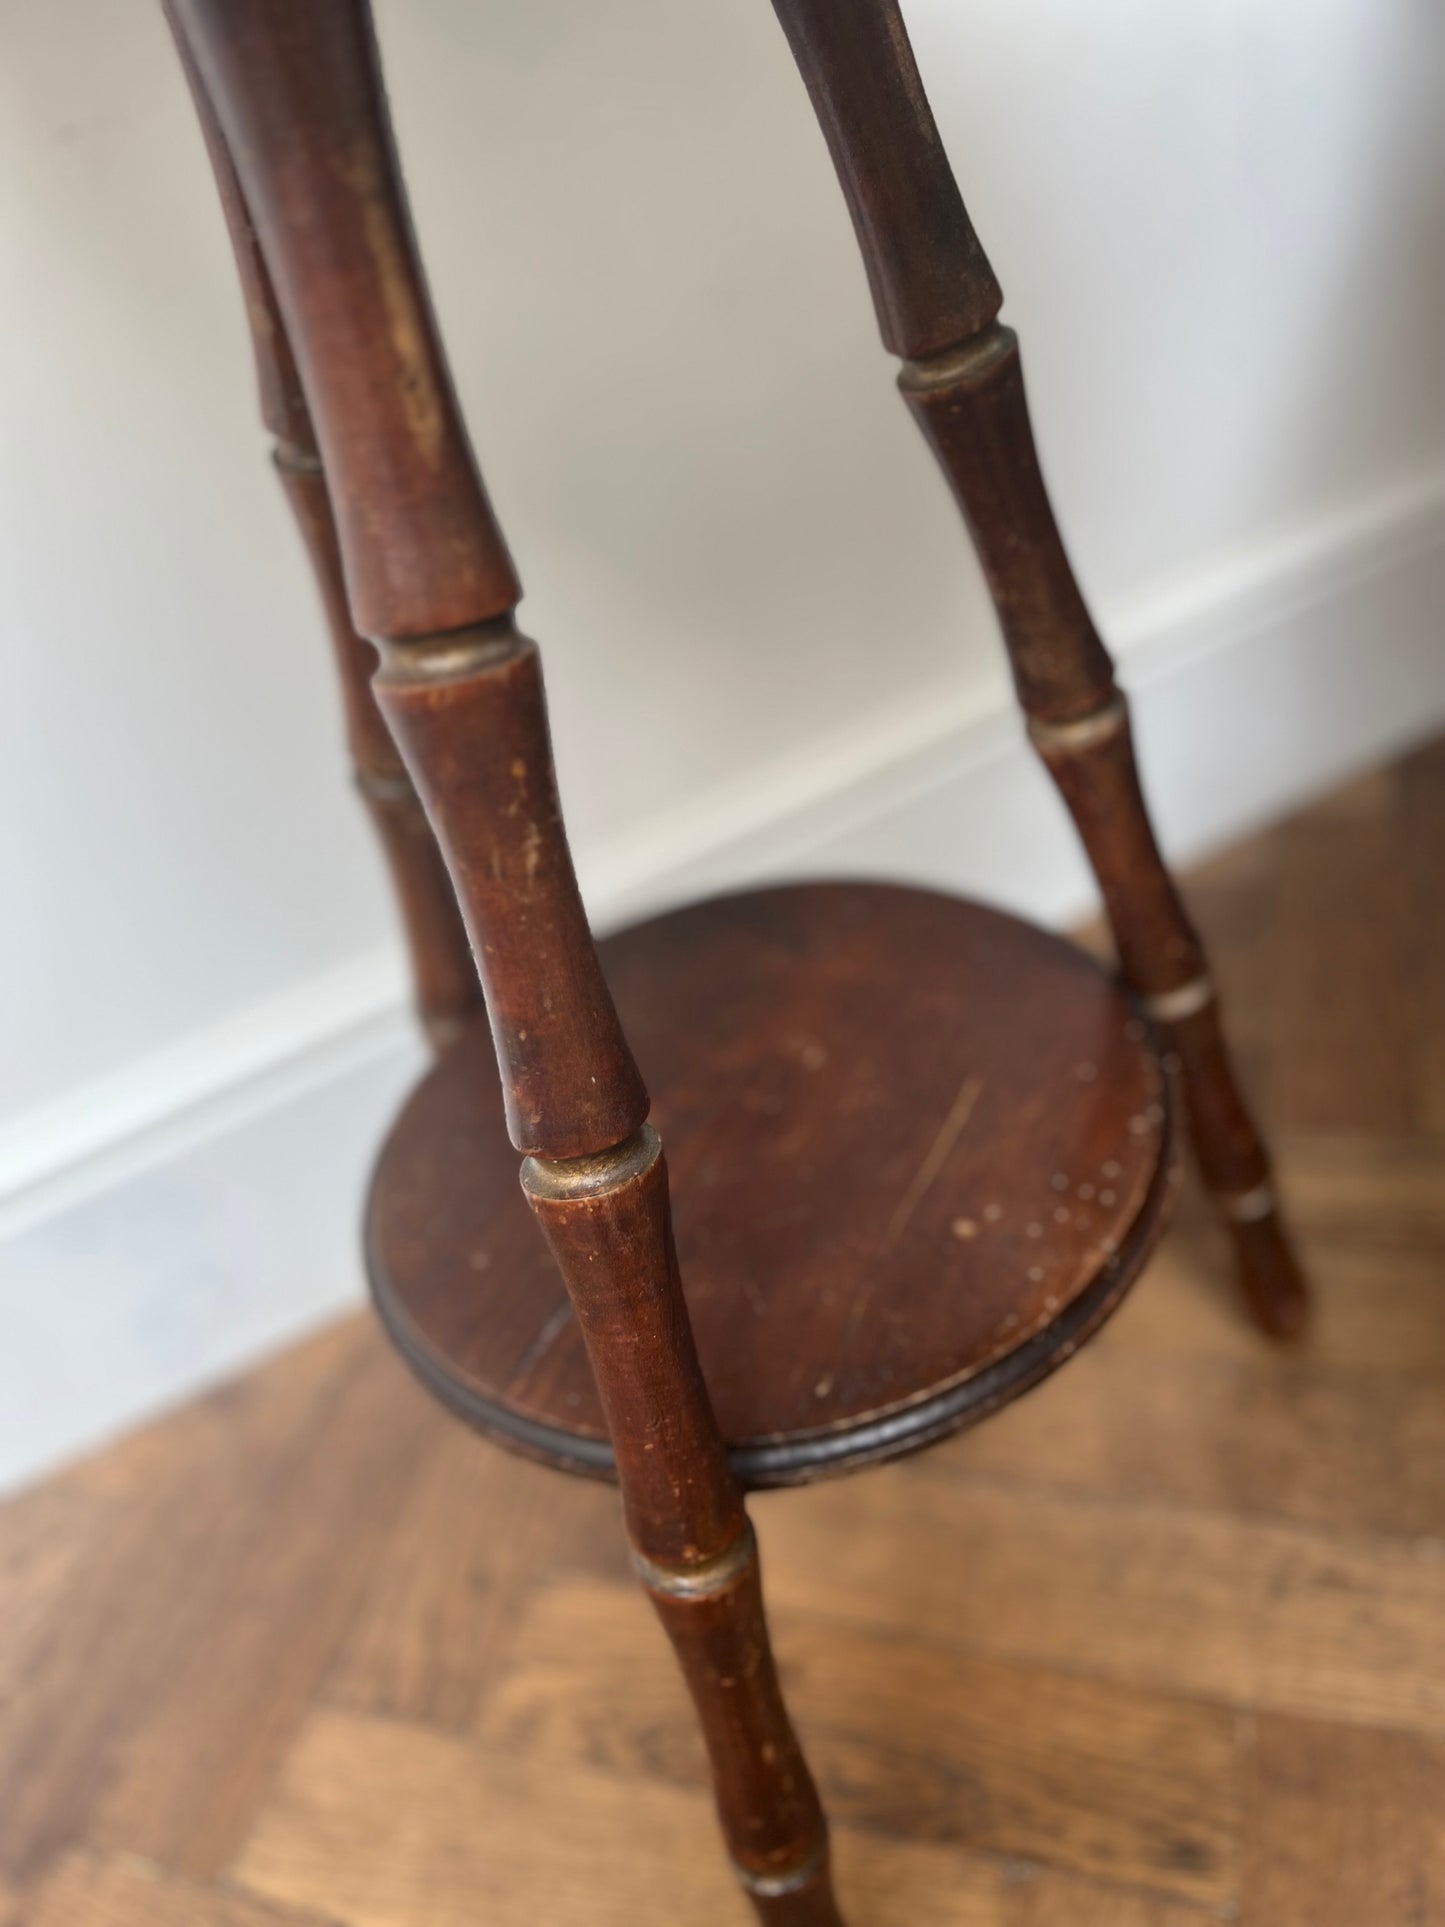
1163 1644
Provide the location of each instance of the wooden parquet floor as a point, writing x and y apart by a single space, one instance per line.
1163 1644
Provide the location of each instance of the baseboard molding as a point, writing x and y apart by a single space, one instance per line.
205 1084
1285 668
1301 659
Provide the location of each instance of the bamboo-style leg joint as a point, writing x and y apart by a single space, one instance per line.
560 1179
785 1883
1081 733
446 987
702 1581
937 304
451 655
410 557
468 710
1186 1000
961 365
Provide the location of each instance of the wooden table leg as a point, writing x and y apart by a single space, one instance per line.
937 301
297 93
447 993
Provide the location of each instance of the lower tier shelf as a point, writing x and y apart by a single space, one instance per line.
919 1151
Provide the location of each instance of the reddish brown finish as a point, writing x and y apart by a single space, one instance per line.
299 99
614 1247
1157 945
569 1081
964 383
609 1227
931 282
283 405
765 1793
376 757
909 1136
1059 1073
447 992
1162 956
298 94
971 408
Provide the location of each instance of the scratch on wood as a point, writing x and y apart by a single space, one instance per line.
544 1341
935 1158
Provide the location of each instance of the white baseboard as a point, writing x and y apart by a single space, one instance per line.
1292 664
164 1226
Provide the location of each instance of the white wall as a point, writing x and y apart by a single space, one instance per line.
1219 226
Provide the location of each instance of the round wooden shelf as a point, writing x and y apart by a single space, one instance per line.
919 1150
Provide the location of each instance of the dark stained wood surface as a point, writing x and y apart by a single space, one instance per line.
974 415
293 107
309 1654
475 737
299 98
300 116
301 112
963 379
300 106
448 994
930 280
608 1226
911 1140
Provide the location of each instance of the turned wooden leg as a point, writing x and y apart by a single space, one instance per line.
447 993
298 95
1092 761
937 301
608 1223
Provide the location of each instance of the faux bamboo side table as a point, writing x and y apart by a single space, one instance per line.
923 1148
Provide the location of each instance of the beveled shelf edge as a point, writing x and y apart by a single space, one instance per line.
803 1458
